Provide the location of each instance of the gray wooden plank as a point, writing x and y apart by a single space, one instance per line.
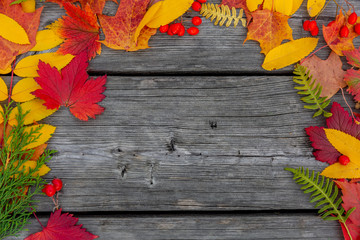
124 159
196 227
216 50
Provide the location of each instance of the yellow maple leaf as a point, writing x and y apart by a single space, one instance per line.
12 31
289 53
23 89
349 146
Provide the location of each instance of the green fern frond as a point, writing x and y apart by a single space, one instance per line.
222 14
303 77
324 192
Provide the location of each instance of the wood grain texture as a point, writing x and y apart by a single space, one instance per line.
205 227
185 143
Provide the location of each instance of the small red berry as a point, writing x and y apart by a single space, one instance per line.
196 21
181 31
352 18
57 184
331 23
357 28
344 160
312 25
164 28
306 25
169 32
201 1
315 31
344 31
49 190
196 6
193 30
175 28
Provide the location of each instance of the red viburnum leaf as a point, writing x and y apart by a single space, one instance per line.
269 29
353 57
332 34
29 21
340 120
80 30
352 79
71 88
328 73
119 30
62 227
238 4
97 6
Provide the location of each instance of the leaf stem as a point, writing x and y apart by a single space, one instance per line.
352 113
36 217
12 80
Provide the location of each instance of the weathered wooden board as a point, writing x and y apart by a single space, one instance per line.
216 50
205 226
185 143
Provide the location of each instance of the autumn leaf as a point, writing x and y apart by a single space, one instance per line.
332 34
97 6
46 39
62 227
352 79
269 29
315 6
12 31
3 90
28 21
239 4
71 88
119 30
353 57
340 120
328 73
22 90
80 31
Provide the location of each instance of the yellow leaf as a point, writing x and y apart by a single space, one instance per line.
268 4
23 89
32 165
12 31
46 39
289 53
28 66
283 6
315 6
36 109
168 12
296 5
28 6
44 133
5 71
1 116
349 146
3 90
147 18
252 5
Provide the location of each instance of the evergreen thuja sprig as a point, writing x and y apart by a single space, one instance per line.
18 184
313 92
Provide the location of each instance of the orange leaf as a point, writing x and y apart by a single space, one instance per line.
97 6
269 29
120 29
30 23
332 34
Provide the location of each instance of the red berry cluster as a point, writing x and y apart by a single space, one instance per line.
51 189
312 27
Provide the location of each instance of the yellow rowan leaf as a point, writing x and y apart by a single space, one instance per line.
28 6
168 12
46 39
12 31
283 6
296 5
252 5
5 71
147 18
44 133
3 90
349 146
315 6
23 89
36 111
289 53
32 165
27 67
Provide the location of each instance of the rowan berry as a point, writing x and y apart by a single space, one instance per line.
202 1
196 21
312 25
175 28
193 30
344 160
352 18
49 190
196 6
169 32
357 28
164 28
315 31
57 184
306 25
344 31
181 31
331 23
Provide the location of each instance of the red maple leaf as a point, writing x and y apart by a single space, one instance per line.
70 88
62 227
340 120
80 30
96 5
